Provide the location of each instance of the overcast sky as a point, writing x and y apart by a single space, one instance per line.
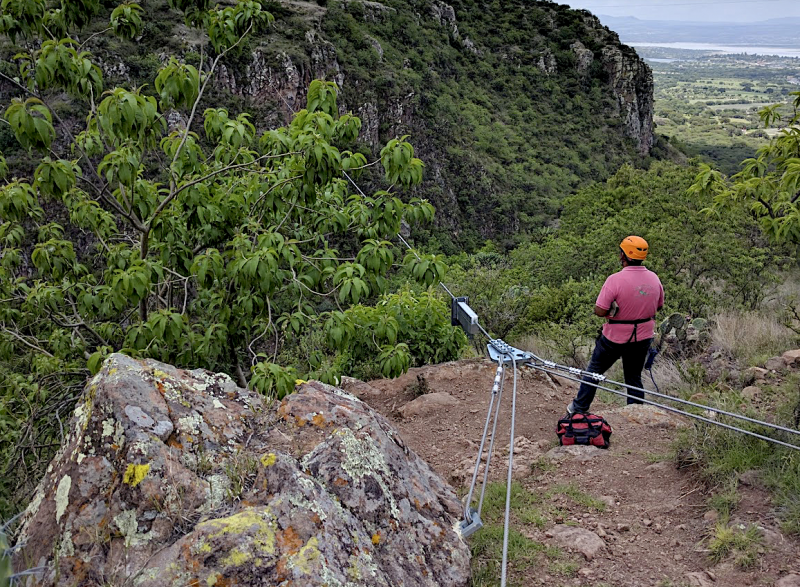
697 10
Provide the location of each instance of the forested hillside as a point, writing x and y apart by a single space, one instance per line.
228 186
511 105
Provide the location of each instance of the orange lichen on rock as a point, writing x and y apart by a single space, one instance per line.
289 540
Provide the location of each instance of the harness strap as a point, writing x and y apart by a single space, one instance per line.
635 324
639 321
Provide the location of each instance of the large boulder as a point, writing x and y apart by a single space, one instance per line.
172 477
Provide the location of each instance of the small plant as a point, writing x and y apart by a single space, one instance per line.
660 457
542 465
564 568
241 470
725 502
571 490
738 541
420 387
204 464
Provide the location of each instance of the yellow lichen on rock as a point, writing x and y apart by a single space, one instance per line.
306 556
237 558
241 523
268 459
134 474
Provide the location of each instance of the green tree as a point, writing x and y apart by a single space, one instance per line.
202 243
769 183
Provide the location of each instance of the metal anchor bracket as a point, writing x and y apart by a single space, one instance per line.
471 524
499 350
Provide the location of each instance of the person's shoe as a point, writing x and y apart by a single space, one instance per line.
572 409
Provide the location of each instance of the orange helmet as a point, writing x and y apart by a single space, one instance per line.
634 247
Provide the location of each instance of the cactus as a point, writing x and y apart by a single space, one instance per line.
685 331
675 320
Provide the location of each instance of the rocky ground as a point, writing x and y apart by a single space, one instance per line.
656 524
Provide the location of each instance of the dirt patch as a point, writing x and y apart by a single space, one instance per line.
656 521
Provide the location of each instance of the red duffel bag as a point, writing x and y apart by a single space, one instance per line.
586 429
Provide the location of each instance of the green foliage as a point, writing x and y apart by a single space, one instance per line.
59 65
511 139
126 20
427 269
32 123
403 329
548 287
273 380
227 25
178 84
212 250
740 543
768 185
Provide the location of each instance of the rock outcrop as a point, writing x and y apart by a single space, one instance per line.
390 82
631 81
172 477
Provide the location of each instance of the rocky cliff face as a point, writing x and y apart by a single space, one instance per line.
279 78
173 477
497 104
631 82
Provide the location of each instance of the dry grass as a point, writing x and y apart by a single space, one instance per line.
667 375
751 336
570 352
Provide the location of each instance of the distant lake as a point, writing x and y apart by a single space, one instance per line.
779 51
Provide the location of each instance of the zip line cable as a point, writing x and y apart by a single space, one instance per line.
506 525
502 353
400 236
497 393
676 410
600 378
491 444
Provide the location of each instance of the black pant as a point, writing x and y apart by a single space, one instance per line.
605 354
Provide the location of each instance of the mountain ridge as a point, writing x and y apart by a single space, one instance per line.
512 106
772 32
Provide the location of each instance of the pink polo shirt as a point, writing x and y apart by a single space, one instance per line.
639 294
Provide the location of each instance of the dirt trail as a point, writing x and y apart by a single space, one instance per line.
657 520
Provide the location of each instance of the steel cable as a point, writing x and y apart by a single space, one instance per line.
506 525
497 387
675 410
491 442
599 378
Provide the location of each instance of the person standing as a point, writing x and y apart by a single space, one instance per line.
629 300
